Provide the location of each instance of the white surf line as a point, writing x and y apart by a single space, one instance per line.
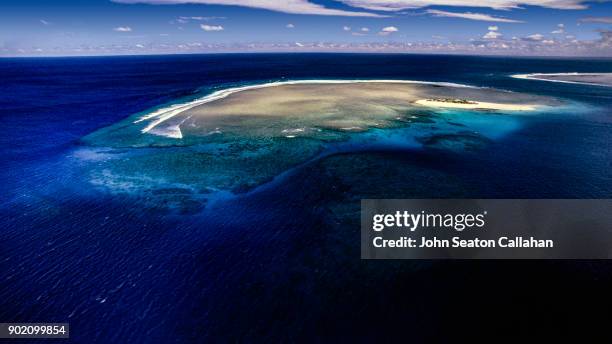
164 114
534 76
171 131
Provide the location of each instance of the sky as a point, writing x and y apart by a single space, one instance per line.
126 27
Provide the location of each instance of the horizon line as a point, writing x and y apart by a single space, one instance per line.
272 52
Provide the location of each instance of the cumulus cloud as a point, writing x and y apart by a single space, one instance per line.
346 28
601 20
471 16
397 5
606 38
492 35
211 27
365 29
286 6
123 29
534 37
560 29
388 30
601 46
290 26
518 46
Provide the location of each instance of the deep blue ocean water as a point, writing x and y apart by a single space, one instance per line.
281 263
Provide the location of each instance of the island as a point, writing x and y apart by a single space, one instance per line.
308 107
233 139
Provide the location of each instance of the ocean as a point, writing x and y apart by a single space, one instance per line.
107 240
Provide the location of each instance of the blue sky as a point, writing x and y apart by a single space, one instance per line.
105 27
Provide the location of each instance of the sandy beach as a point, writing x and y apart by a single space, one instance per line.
476 105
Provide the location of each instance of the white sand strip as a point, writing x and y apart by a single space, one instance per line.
473 105
549 77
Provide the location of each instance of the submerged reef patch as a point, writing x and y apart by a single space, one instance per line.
468 141
230 142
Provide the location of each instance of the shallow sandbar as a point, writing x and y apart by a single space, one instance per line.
598 79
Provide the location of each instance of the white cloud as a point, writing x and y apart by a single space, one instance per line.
199 18
560 29
44 22
346 28
286 6
602 20
535 37
309 7
397 5
471 16
188 19
515 46
290 26
211 27
492 35
123 29
365 29
388 30
140 46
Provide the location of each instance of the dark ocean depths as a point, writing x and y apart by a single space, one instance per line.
282 264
